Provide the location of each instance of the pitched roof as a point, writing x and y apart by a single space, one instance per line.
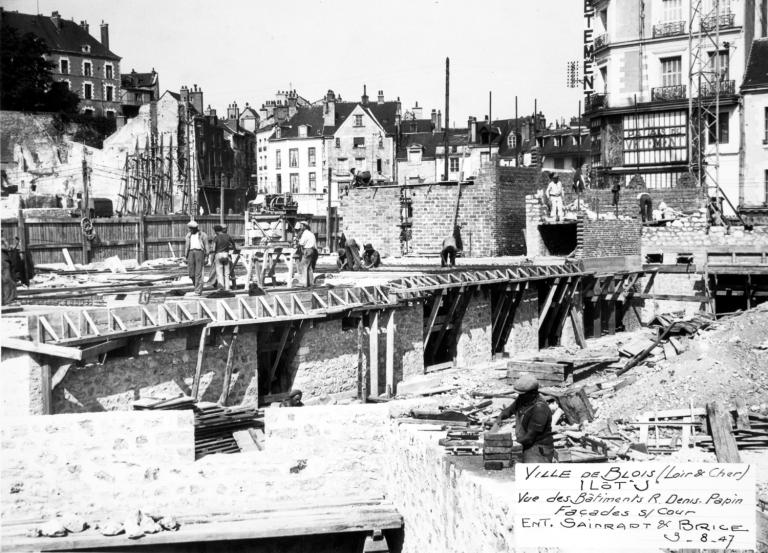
138 80
416 125
311 116
69 38
247 109
429 141
756 75
384 113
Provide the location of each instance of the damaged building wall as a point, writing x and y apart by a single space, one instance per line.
491 212
474 342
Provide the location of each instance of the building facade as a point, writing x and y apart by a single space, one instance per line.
753 184
639 111
85 64
137 89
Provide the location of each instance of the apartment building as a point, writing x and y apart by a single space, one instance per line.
753 190
638 113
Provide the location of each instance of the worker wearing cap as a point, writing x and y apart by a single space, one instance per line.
533 421
555 195
308 260
196 252
371 258
222 244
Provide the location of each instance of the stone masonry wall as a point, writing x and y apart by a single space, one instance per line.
525 330
687 200
608 237
474 344
159 370
101 465
690 235
448 506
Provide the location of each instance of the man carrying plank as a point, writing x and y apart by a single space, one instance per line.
533 421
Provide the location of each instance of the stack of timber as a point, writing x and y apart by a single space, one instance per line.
750 433
462 442
500 451
215 427
548 374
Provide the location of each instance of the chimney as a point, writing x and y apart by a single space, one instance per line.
472 124
417 111
364 98
196 98
329 113
381 96
210 112
433 117
84 25
184 93
439 121
398 115
105 35
232 111
56 18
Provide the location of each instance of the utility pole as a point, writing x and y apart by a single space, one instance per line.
85 211
447 114
518 138
221 197
490 124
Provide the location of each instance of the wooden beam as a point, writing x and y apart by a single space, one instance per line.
278 356
742 415
438 340
46 388
548 301
228 368
104 347
578 326
373 352
509 321
200 358
59 375
41 348
726 450
390 353
361 368
432 316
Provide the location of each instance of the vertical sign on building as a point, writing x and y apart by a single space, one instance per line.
588 78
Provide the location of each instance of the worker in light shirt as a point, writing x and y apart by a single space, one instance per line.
555 195
196 252
308 254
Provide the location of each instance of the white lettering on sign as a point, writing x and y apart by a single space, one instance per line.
647 505
588 79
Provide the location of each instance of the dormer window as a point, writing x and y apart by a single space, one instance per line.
414 154
558 141
86 48
302 131
512 140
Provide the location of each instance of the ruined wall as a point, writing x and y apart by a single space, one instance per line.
491 212
159 370
687 200
678 284
690 235
448 505
525 330
475 340
609 237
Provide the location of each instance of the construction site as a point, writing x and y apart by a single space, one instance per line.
360 400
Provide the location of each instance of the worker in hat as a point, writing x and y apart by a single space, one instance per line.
371 258
222 245
533 421
555 195
196 252
307 253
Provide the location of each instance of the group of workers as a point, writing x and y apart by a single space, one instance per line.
199 253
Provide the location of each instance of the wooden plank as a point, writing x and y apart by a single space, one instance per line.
548 301
719 420
438 340
576 406
228 368
51 350
390 353
361 368
373 352
200 358
278 356
578 326
742 415
105 347
432 316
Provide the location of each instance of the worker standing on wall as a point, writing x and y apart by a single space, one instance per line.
196 252
555 195
646 206
533 421
308 254
450 247
222 245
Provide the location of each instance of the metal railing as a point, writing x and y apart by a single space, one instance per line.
669 28
668 93
725 87
726 20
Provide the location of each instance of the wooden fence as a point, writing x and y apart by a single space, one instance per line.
140 237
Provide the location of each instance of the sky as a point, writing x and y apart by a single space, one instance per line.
244 51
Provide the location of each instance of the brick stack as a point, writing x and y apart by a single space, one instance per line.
500 451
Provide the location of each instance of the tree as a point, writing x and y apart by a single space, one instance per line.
26 82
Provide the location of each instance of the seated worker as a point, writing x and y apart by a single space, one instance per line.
450 247
533 421
352 251
371 258
341 263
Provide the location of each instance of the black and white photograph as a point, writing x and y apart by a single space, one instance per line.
416 276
